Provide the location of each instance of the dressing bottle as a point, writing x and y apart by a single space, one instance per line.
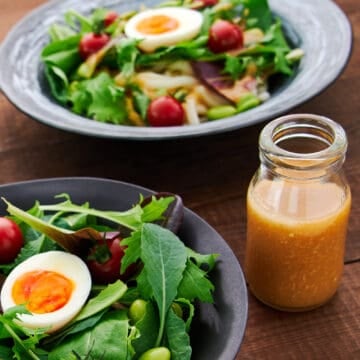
298 205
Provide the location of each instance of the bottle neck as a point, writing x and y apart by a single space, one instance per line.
303 146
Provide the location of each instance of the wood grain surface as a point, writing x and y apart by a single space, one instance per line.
211 174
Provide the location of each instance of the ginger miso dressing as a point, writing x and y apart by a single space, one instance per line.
295 242
298 205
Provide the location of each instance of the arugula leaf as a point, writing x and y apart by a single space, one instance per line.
111 294
259 13
177 337
195 285
81 326
74 19
236 65
156 208
60 57
190 310
269 55
132 250
126 55
208 19
164 258
107 339
76 242
63 54
97 19
60 32
275 38
207 261
131 295
91 313
79 220
93 23
141 101
145 288
195 49
58 83
129 218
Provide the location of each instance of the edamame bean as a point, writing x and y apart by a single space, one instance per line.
177 309
137 310
247 102
159 353
219 112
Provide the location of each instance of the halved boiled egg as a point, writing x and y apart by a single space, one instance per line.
163 27
53 286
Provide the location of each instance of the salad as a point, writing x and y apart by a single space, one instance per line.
83 283
183 62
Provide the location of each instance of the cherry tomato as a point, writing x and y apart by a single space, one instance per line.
11 240
206 3
109 271
225 36
91 43
165 111
110 17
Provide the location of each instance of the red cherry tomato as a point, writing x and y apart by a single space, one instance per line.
109 271
110 17
165 111
201 4
225 36
11 240
91 43
208 2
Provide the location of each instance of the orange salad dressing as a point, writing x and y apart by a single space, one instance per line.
295 242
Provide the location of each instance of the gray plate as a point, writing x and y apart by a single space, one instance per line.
319 27
217 329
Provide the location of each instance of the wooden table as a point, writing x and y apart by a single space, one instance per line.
212 175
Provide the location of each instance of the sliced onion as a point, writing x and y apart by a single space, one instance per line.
191 112
152 80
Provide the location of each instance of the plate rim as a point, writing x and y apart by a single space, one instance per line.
242 318
55 115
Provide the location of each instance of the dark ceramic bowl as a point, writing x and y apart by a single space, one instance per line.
218 329
319 27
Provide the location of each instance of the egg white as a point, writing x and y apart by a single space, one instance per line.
190 22
68 265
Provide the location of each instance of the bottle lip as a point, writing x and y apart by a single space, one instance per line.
333 135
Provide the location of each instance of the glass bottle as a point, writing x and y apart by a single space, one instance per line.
298 205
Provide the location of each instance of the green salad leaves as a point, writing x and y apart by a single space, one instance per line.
108 85
169 281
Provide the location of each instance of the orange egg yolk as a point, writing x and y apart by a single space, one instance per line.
157 24
42 291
